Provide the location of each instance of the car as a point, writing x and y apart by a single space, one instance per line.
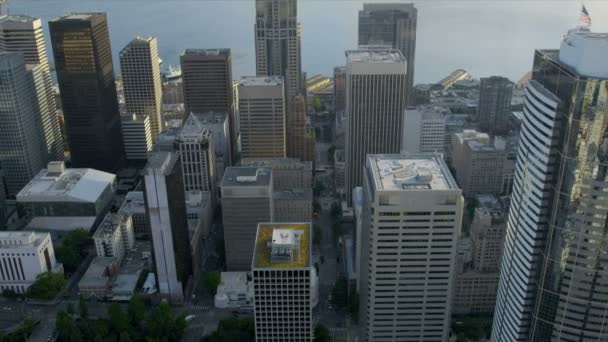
189 318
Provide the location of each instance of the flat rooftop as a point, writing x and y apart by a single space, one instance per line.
407 173
279 163
66 185
378 56
162 160
109 224
206 52
265 237
17 19
255 81
247 176
294 194
79 16
194 128
20 239
134 203
99 272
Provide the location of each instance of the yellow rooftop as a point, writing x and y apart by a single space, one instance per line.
282 245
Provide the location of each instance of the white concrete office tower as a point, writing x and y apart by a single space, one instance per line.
412 212
246 201
262 117
141 81
391 25
197 154
553 279
282 256
114 236
136 136
424 129
375 84
22 147
277 42
166 207
19 33
24 255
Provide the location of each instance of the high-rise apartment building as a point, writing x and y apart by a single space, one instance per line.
22 146
83 62
277 43
262 117
424 129
137 136
208 86
282 282
24 34
393 26
340 88
194 144
141 81
166 208
553 282
246 201
494 106
375 84
412 211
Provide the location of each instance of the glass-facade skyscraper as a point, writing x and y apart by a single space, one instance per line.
83 62
554 278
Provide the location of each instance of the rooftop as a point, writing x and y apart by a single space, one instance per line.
410 172
377 56
111 222
79 16
584 51
211 117
163 161
61 223
234 282
206 52
134 203
279 163
99 272
58 184
125 118
21 239
17 19
194 129
254 81
282 245
295 194
247 176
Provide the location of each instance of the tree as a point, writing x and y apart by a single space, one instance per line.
136 310
82 308
317 104
162 326
233 330
211 280
119 322
73 249
322 333
64 325
70 309
46 286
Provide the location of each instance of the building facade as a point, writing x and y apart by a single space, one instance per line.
24 34
300 142
194 143
424 129
393 26
277 43
246 201
137 136
375 84
114 236
287 173
282 256
412 211
340 88
134 206
295 205
22 146
166 207
23 256
83 63
141 81
552 282
494 107
207 84
262 117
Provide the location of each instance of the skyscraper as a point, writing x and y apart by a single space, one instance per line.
246 201
375 83
83 61
494 106
166 208
424 129
282 255
553 283
24 34
197 153
299 142
391 25
141 82
340 88
277 42
262 117
412 212
22 147
137 137
207 82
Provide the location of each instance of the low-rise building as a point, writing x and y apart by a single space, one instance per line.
23 256
114 236
97 280
235 292
65 199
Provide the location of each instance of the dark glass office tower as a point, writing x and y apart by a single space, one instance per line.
83 61
494 107
554 273
391 25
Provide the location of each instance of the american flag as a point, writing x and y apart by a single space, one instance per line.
585 18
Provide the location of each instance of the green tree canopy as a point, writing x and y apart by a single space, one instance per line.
119 322
211 280
73 249
46 286
322 333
